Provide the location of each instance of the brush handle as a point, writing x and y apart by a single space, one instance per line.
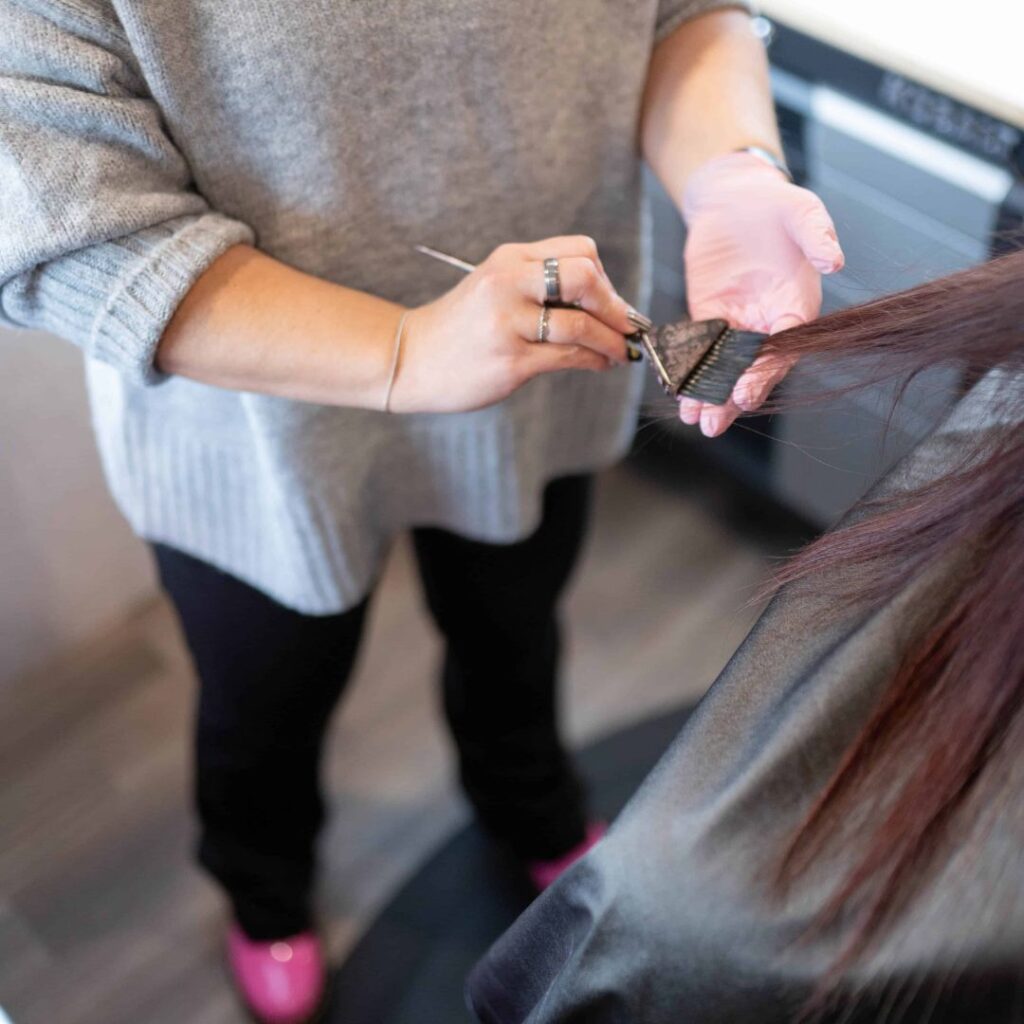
452 261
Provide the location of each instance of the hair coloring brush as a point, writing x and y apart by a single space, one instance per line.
700 359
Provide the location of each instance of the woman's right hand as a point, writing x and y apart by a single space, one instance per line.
477 343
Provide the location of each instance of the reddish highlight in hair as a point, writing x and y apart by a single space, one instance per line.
959 691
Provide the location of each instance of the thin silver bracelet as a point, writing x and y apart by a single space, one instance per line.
768 157
396 353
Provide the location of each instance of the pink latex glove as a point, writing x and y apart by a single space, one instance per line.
755 247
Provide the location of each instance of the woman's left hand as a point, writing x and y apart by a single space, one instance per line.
755 249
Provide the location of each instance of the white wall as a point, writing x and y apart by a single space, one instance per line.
69 565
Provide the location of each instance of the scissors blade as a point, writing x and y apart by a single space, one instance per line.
453 261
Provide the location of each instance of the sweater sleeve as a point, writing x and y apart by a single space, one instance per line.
672 13
103 230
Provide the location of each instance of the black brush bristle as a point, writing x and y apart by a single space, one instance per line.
714 377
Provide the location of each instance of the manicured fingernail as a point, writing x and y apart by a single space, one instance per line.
743 397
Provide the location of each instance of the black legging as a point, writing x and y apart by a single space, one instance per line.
270 678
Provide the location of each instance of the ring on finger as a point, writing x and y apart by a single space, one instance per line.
552 281
544 324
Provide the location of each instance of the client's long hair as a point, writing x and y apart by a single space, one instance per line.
959 692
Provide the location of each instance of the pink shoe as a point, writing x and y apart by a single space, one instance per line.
544 872
280 982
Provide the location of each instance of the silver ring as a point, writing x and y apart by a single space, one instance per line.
552 281
544 324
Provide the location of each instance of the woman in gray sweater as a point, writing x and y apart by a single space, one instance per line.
218 203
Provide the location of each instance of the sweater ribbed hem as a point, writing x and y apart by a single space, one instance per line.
130 326
320 548
115 298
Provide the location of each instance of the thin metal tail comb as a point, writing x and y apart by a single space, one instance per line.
697 358
700 359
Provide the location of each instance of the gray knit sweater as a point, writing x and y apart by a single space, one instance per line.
138 141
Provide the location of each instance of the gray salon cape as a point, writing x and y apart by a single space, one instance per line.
669 919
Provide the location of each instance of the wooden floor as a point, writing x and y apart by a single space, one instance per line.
103 919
